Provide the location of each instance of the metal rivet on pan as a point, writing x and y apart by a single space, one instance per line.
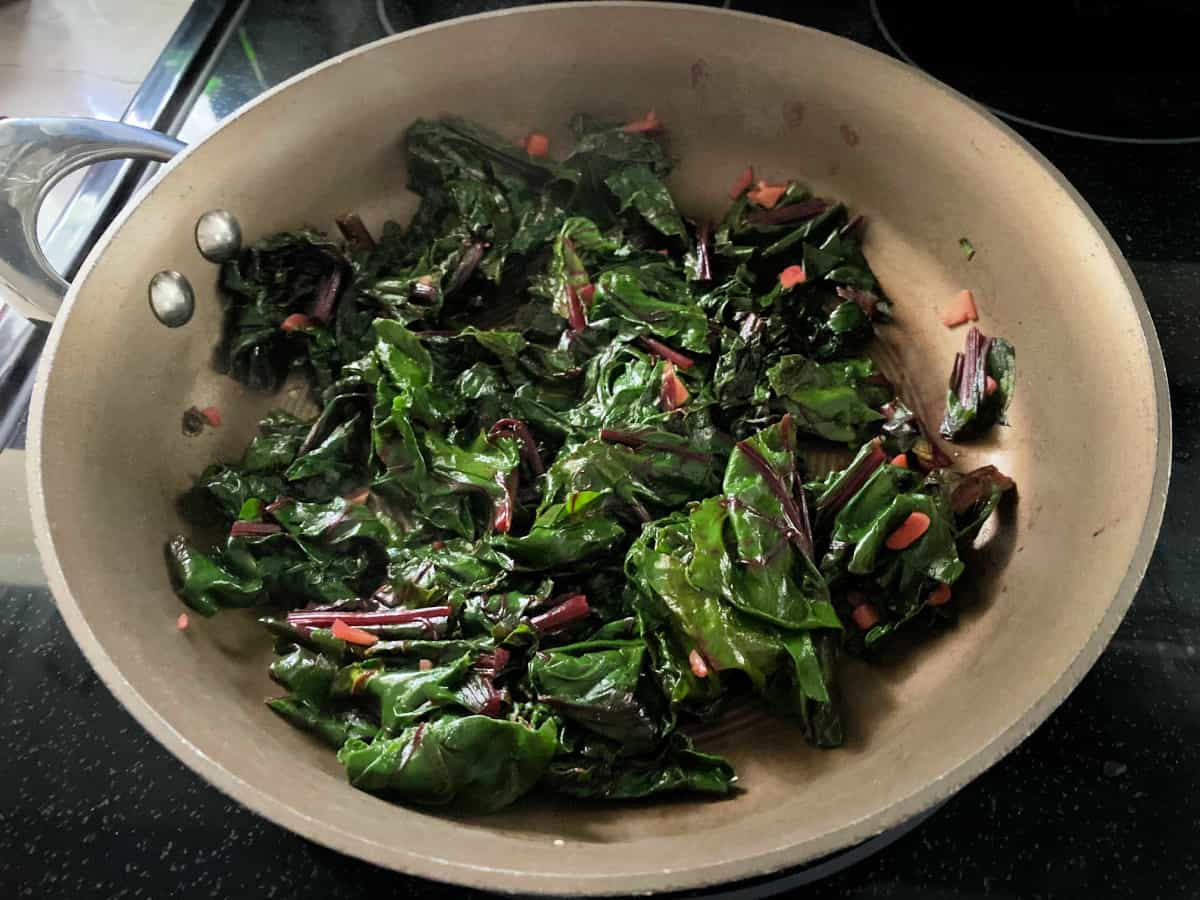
218 235
172 299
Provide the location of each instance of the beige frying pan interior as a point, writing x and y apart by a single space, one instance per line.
1088 444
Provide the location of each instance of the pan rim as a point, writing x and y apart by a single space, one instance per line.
516 880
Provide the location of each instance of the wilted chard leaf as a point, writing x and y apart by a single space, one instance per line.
336 522
637 187
307 674
279 438
754 546
454 149
904 432
889 497
981 386
839 401
273 278
572 531
647 468
499 613
866 505
404 696
470 763
721 635
595 684
334 727
423 572
656 297
228 488
622 386
974 497
207 584
599 769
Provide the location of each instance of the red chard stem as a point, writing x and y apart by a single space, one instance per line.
571 610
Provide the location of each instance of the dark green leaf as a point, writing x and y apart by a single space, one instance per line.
403 696
764 518
654 296
596 684
279 438
471 763
266 283
599 770
499 613
836 400
426 572
333 727
644 468
229 488
637 187
205 583
970 409
564 533
308 675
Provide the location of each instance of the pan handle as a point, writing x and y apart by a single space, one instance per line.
35 154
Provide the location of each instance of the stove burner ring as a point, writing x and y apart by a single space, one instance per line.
900 51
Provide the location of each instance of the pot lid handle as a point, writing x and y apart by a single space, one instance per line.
35 154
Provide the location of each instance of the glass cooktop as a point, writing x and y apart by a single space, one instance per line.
1111 70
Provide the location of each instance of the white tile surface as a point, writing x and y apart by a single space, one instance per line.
79 57
18 555
68 58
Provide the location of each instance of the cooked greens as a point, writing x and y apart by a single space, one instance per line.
557 506
981 386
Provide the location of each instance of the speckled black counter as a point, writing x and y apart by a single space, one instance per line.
1102 801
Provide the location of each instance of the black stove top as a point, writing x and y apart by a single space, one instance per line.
1103 800
1110 70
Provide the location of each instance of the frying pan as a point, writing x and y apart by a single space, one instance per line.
1089 443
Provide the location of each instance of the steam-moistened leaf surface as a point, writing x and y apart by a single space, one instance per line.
596 686
982 382
472 763
554 509
838 400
